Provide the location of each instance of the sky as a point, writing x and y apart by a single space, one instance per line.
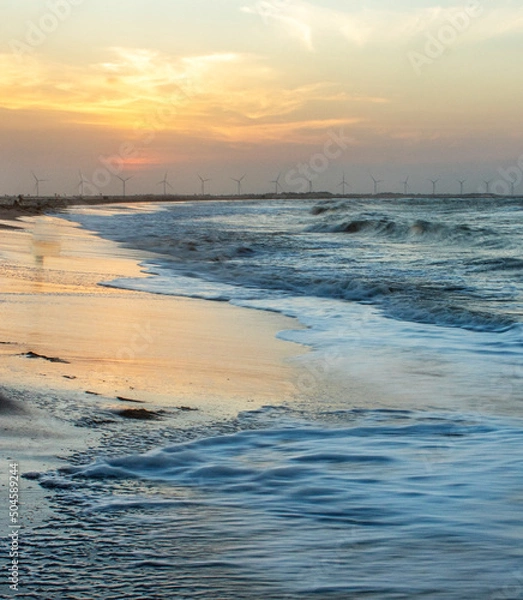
311 92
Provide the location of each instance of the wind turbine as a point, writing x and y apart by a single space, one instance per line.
461 184
124 180
376 183
310 184
277 184
37 184
434 182
343 184
487 185
165 183
405 186
239 182
512 187
83 181
204 181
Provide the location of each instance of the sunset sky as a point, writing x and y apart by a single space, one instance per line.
225 88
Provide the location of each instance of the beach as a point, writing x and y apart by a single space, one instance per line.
261 301
264 399
67 340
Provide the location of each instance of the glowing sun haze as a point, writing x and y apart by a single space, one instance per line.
227 87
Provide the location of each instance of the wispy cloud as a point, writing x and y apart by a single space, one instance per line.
307 22
294 17
301 133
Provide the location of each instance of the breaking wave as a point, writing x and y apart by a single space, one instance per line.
415 260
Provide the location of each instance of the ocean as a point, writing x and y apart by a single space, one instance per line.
396 474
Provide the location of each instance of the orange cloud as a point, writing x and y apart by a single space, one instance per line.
226 96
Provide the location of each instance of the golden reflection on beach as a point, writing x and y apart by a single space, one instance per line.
158 349
45 240
45 243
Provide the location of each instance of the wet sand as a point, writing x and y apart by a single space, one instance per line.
61 333
116 342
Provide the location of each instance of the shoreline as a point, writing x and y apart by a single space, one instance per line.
73 350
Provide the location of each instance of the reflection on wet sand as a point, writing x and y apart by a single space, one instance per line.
157 349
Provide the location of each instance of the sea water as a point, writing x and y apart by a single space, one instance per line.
396 474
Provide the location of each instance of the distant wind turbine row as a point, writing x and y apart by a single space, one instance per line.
344 184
